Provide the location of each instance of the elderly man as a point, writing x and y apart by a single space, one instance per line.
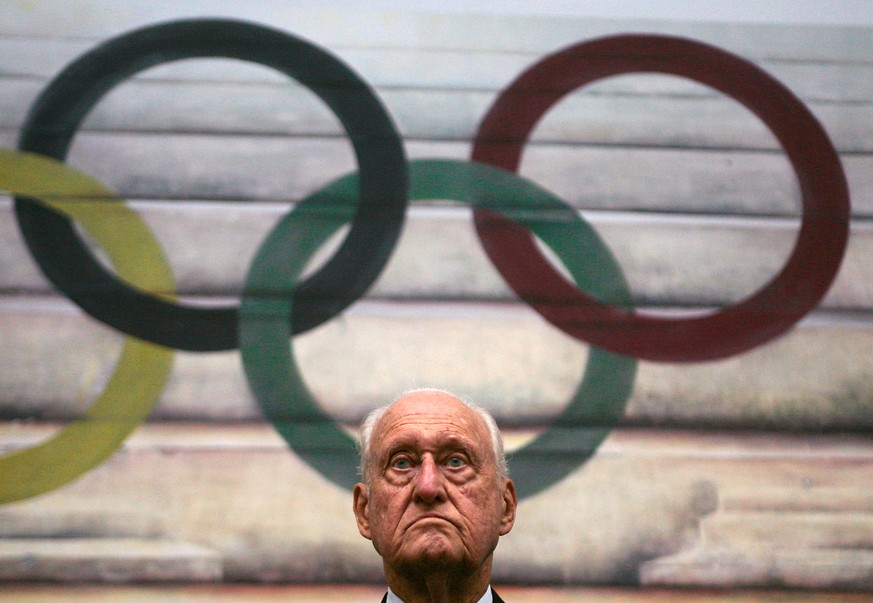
435 497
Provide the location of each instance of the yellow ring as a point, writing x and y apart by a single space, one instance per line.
143 368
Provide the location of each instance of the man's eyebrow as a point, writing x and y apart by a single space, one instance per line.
399 447
464 445
398 444
459 441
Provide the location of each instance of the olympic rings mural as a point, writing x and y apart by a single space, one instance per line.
508 210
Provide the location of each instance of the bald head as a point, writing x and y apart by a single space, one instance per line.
428 401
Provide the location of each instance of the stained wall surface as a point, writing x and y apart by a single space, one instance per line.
729 447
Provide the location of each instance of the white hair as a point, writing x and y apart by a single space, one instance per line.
368 426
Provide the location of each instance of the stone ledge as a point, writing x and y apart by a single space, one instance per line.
107 560
68 521
763 567
844 500
816 378
788 530
623 442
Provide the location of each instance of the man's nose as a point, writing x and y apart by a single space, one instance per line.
429 483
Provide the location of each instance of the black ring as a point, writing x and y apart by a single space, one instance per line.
69 265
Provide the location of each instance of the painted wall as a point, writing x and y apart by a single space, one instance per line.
154 415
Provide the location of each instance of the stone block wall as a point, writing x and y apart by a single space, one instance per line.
749 469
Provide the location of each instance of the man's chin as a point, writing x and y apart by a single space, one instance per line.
432 551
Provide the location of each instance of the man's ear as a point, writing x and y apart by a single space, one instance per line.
510 502
360 499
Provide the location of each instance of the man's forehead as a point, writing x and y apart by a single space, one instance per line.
430 415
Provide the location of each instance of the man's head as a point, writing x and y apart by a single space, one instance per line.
435 497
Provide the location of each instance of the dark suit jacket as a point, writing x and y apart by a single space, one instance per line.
494 594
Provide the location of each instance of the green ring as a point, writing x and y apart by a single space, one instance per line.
265 329
143 368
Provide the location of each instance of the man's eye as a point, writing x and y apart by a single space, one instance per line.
456 462
401 464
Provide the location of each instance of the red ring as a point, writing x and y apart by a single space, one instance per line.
764 315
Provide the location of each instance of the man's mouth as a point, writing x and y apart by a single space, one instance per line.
432 516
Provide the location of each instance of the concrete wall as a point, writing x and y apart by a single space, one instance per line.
749 469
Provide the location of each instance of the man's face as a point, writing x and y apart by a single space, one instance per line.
434 499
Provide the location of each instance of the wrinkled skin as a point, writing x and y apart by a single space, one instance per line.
434 506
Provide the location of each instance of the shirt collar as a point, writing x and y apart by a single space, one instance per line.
486 598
